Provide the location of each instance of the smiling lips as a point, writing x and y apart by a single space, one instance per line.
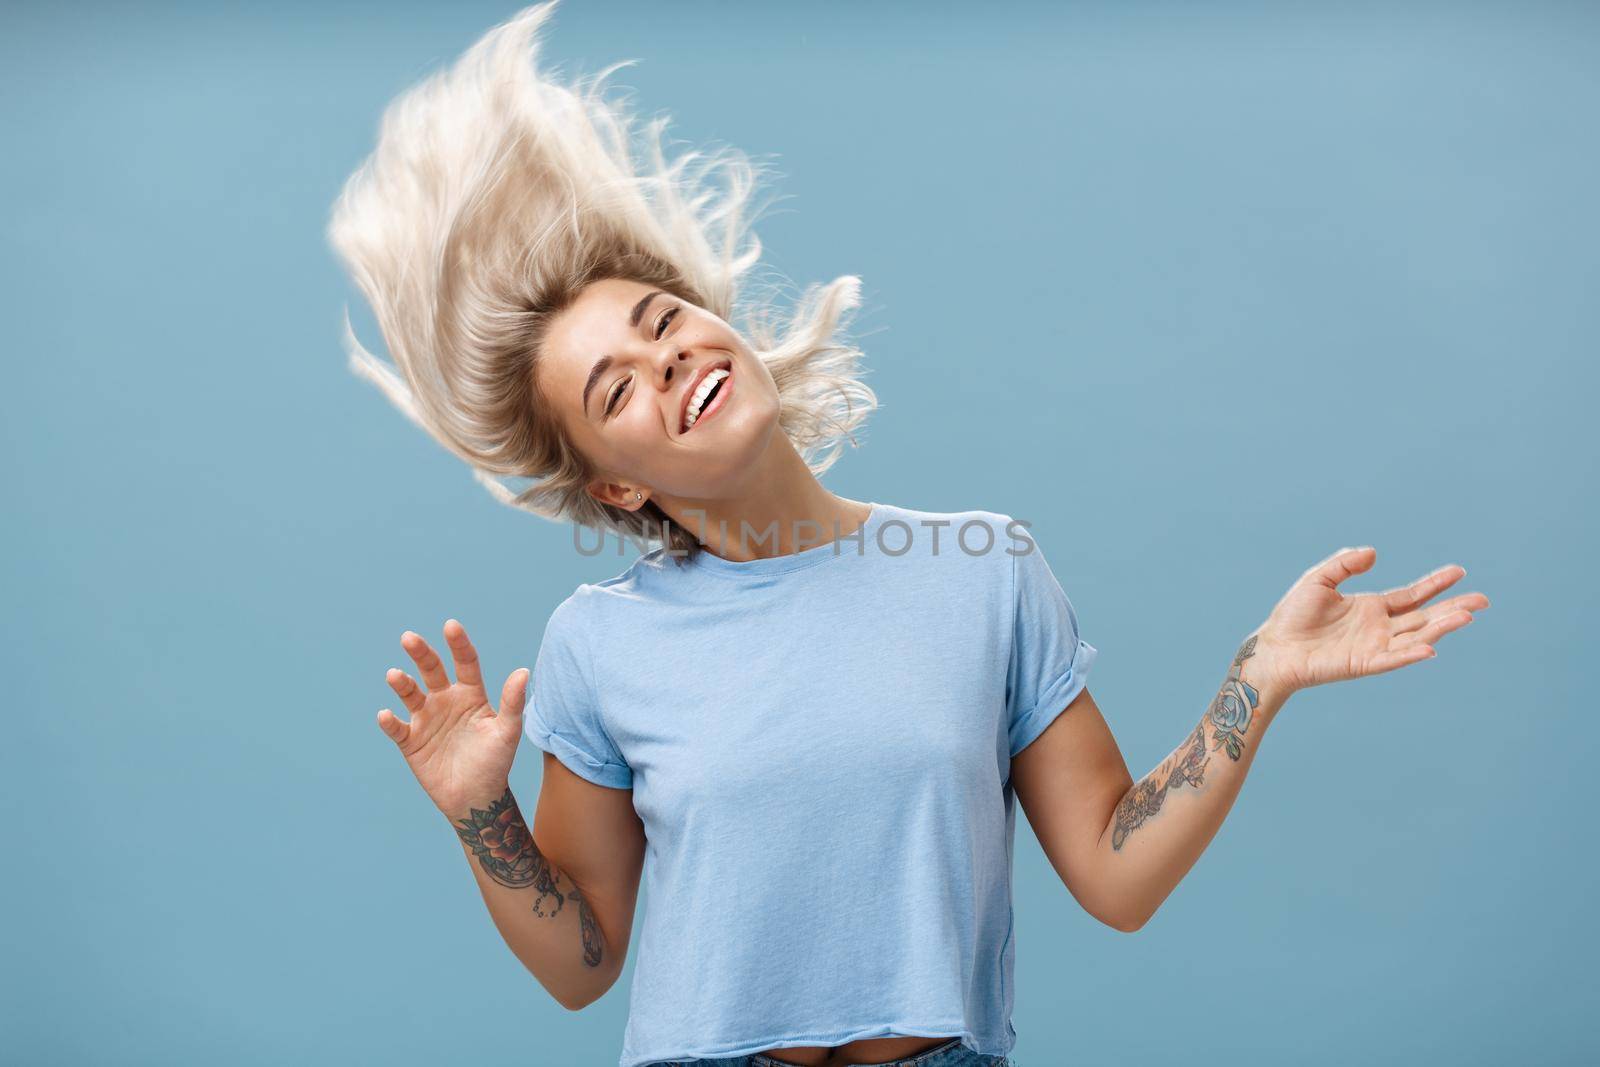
713 379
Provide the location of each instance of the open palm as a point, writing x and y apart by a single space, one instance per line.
457 746
1317 634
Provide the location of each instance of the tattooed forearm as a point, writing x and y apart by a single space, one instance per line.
1235 703
506 852
1144 799
505 849
1229 718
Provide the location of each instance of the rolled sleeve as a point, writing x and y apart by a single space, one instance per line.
563 714
1050 661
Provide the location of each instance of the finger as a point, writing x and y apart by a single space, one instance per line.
1430 633
391 725
468 671
514 698
406 689
427 660
1343 564
1388 661
1412 620
1423 589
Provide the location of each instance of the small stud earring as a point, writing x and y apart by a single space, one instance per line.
638 495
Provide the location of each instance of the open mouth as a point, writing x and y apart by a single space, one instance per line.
708 396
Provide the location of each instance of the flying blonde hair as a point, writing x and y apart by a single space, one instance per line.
493 198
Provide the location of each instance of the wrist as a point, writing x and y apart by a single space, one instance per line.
1270 669
461 807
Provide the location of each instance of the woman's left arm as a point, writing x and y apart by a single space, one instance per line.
1122 863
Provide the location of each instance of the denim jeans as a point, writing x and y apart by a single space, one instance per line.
951 1053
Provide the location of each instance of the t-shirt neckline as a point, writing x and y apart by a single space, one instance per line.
792 561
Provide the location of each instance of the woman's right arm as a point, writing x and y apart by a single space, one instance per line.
563 904
566 909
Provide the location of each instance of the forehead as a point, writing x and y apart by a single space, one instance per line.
590 327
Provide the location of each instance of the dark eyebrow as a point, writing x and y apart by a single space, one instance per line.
599 369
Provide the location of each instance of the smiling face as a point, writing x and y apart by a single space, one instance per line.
660 395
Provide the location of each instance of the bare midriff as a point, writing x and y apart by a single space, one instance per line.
870 1050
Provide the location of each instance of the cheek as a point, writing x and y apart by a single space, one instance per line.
631 443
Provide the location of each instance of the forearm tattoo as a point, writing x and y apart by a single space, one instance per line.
1229 717
593 944
1235 704
505 849
1144 799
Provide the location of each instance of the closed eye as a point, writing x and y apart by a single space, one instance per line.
616 394
661 326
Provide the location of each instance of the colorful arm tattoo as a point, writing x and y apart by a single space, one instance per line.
1235 703
505 849
1144 799
1229 716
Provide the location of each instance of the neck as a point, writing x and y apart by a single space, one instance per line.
781 509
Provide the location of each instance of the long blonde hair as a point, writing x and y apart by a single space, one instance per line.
493 197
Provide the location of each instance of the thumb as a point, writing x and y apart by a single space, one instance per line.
514 696
1345 563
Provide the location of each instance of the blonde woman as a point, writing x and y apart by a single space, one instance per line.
803 720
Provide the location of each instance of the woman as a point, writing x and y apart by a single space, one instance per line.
803 720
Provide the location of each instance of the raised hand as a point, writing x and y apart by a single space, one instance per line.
1316 634
459 748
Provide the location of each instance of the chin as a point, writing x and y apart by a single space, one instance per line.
729 469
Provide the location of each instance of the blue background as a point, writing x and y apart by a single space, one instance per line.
1203 294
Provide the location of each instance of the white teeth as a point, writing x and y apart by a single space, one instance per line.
700 392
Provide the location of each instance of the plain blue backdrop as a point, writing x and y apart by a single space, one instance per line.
1204 292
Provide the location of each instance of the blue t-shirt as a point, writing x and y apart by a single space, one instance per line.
819 748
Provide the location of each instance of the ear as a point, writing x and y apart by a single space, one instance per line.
618 496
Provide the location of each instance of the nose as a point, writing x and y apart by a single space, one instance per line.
669 364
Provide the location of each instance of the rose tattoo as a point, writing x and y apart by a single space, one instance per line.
500 839
1235 703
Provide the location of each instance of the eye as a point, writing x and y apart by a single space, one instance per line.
661 327
661 324
616 394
